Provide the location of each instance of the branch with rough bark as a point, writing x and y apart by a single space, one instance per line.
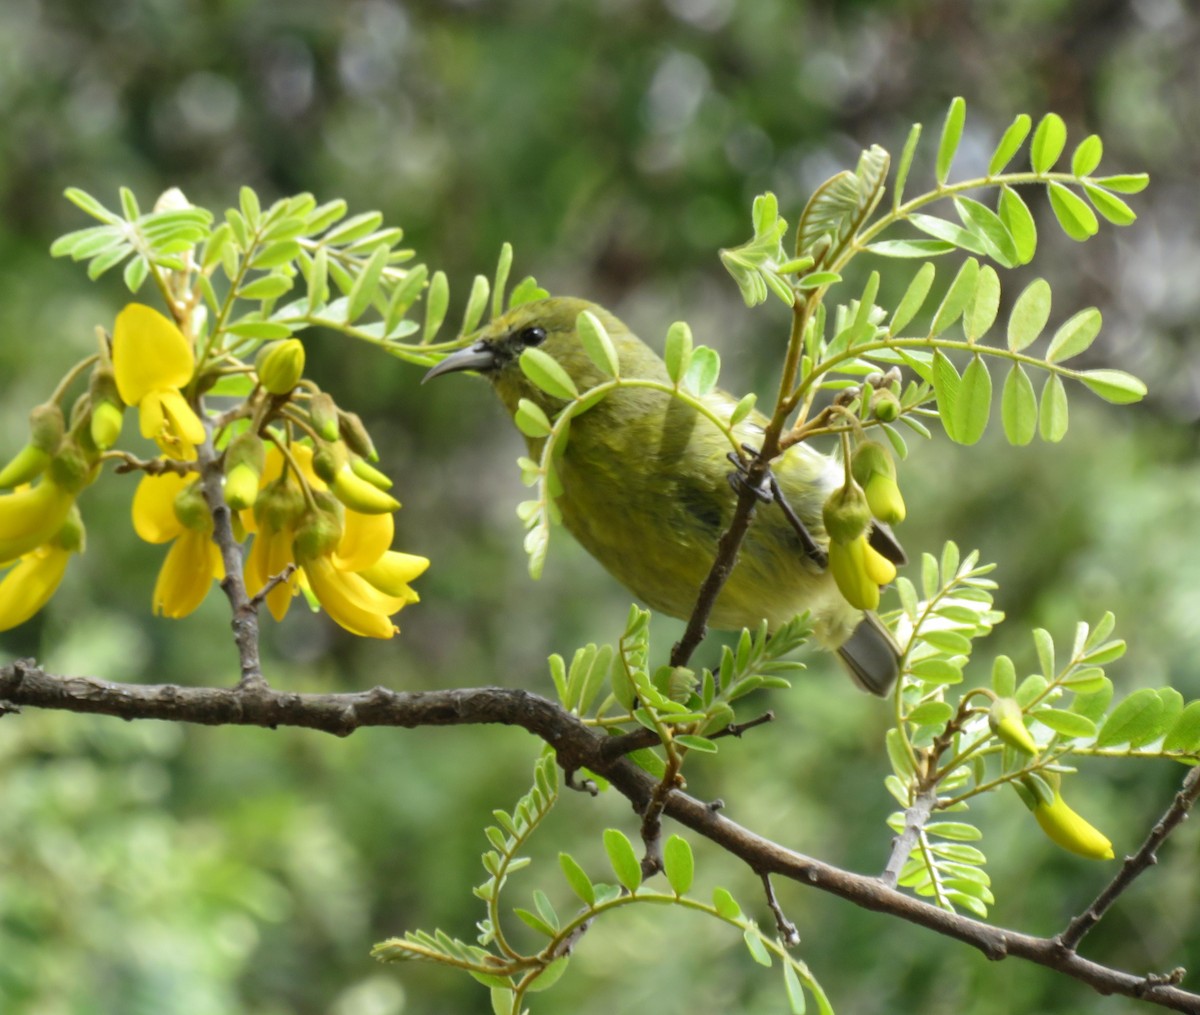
25 684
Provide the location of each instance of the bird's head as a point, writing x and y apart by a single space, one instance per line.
548 325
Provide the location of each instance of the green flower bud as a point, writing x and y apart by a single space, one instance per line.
280 365
105 425
241 486
70 468
323 411
359 495
1007 723
355 435
846 514
192 509
873 468
328 458
317 534
71 537
279 505
106 409
885 406
46 427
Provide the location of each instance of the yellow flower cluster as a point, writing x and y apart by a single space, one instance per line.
858 568
321 520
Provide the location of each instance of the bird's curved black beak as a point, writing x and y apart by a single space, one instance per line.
481 356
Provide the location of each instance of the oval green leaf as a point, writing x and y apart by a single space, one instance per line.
1017 131
596 343
1018 407
1109 205
1074 335
951 135
913 298
974 402
980 313
622 858
1078 221
1052 421
1135 721
1015 214
548 374
1029 315
1048 142
1114 386
1087 155
678 864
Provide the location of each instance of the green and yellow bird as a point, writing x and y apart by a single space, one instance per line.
646 490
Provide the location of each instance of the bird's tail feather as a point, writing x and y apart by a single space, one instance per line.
872 656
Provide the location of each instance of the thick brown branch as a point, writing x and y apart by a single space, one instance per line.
25 683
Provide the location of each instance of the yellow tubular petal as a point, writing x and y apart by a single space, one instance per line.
152 419
359 495
847 562
365 538
185 575
1066 828
29 585
393 571
30 516
154 518
350 601
877 567
182 420
149 353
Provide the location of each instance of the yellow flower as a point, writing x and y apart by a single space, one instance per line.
169 508
33 579
30 516
343 556
876 472
152 361
859 571
1066 828
1006 722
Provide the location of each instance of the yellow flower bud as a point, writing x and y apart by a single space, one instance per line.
280 365
331 463
1006 722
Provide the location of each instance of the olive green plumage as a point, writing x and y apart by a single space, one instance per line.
645 487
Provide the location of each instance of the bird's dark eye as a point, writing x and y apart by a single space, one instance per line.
532 336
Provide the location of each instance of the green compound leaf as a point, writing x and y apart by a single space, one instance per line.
1018 407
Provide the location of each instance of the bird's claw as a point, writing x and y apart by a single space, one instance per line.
766 488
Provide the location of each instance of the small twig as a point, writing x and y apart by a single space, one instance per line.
1134 865
915 819
788 933
736 729
587 786
275 580
151 466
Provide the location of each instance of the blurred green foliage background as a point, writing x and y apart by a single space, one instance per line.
617 144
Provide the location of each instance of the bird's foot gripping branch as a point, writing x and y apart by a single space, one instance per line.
263 483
